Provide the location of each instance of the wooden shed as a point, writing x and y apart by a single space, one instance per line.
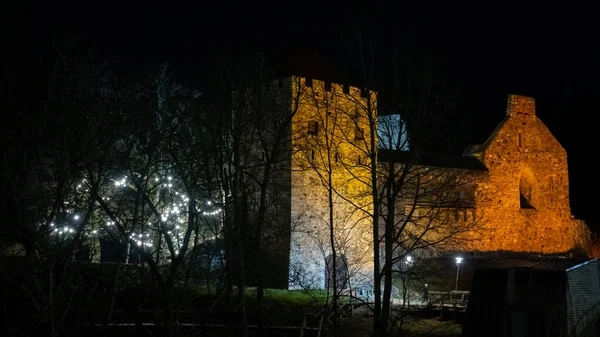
518 297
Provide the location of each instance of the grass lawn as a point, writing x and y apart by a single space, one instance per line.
421 327
433 328
288 308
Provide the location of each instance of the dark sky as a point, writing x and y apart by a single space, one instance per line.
545 52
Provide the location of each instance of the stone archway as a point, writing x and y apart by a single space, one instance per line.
527 189
342 275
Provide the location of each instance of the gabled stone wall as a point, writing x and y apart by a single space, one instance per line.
525 202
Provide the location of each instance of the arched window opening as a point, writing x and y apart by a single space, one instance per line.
526 190
342 276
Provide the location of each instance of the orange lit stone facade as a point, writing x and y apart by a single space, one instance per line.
523 198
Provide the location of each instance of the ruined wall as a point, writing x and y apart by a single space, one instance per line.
525 202
329 129
520 203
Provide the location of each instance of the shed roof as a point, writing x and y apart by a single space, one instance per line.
542 264
432 159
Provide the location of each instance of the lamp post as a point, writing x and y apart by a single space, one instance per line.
458 262
408 259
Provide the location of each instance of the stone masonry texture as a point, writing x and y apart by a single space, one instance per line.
521 200
524 198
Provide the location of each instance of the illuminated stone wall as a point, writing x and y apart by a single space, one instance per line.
519 200
330 127
524 200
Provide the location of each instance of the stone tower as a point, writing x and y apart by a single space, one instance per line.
330 146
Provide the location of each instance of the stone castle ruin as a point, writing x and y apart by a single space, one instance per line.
518 191
523 195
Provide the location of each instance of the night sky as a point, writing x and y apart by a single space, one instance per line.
545 52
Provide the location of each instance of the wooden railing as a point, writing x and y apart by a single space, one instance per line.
444 299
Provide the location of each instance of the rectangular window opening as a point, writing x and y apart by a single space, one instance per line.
359 134
356 114
313 128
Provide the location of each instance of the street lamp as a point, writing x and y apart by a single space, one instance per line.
458 262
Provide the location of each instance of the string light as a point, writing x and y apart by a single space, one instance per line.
174 216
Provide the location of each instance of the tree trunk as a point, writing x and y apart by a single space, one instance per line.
165 304
377 328
334 275
389 249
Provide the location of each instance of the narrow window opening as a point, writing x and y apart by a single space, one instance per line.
308 82
359 134
342 275
327 86
356 115
526 191
313 128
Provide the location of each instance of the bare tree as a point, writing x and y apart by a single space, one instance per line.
45 158
253 111
416 200
156 200
138 182
334 197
